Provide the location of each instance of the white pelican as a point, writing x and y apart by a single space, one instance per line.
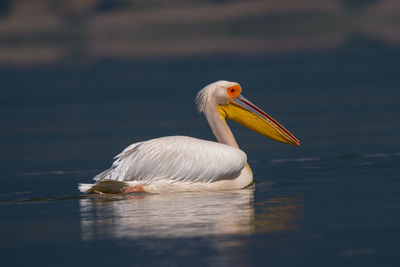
180 163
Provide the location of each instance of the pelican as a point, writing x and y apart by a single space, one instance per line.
181 163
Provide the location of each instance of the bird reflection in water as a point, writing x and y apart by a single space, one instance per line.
185 214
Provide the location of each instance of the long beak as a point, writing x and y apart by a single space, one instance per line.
246 113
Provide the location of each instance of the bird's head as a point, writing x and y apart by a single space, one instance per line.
227 97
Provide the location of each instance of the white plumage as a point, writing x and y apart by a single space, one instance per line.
178 158
180 163
173 163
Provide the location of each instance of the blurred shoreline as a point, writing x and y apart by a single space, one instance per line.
52 32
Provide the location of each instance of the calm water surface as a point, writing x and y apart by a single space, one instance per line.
332 202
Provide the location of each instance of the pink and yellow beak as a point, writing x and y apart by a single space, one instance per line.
247 114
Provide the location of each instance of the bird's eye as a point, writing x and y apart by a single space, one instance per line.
234 91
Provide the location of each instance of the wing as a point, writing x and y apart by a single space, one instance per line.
179 158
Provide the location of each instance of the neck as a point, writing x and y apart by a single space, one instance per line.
219 127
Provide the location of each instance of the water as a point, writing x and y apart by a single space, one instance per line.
332 202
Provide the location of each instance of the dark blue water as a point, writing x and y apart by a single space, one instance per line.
332 202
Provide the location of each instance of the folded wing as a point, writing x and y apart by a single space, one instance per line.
180 158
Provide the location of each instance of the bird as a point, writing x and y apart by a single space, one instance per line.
182 163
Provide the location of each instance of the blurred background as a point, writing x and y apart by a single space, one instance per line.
81 79
81 31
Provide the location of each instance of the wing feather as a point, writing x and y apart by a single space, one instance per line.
181 158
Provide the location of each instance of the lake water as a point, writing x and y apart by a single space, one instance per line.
333 201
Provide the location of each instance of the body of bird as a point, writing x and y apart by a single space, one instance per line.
181 163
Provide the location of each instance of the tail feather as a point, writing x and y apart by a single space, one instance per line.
84 188
104 186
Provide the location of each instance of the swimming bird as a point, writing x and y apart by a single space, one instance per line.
181 163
